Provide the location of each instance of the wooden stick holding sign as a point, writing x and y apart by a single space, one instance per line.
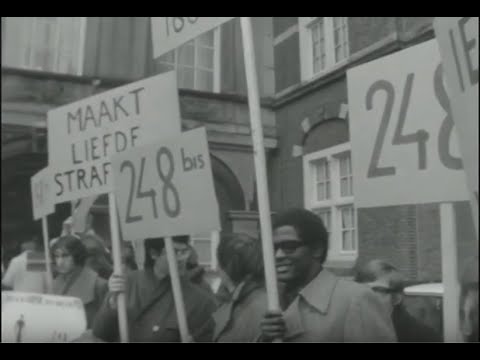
156 188
177 291
42 205
47 255
451 321
117 265
260 167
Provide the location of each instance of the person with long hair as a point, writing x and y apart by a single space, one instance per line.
74 277
241 263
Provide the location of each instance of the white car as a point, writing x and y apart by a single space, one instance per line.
424 301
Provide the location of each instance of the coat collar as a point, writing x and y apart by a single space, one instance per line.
223 315
80 284
318 294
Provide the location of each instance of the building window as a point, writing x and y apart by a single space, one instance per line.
328 186
323 44
205 245
53 44
197 62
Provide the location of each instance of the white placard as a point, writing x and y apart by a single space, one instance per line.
166 189
171 32
42 194
83 135
404 145
30 317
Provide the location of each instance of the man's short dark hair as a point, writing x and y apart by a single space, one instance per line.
158 244
309 228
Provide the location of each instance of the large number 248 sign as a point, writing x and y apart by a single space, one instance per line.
163 189
178 23
165 174
404 143
420 137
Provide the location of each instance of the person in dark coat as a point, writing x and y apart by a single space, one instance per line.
386 281
195 272
150 303
240 260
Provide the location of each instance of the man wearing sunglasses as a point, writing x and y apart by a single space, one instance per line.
388 283
317 306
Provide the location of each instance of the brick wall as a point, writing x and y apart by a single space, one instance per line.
287 63
429 246
365 31
389 233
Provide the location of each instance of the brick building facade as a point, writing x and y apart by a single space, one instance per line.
312 116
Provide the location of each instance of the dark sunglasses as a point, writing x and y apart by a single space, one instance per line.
288 247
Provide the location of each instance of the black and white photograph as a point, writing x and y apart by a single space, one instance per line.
239 180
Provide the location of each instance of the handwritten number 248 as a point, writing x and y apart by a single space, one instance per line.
178 23
168 188
421 136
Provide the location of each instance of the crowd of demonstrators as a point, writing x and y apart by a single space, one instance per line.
241 263
317 305
388 283
150 302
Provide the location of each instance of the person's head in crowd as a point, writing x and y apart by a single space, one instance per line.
156 255
69 253
240 258
300 242
97 257
31 238
384 279
469 301
128 258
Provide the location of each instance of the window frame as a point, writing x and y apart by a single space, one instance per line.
336 201
216 71
306 47
25 61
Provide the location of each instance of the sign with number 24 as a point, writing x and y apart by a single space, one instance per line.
404 143
166 189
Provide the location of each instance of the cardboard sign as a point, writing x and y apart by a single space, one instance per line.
404 147
83 135
171 32
42 194
30 317
166 189
458 41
